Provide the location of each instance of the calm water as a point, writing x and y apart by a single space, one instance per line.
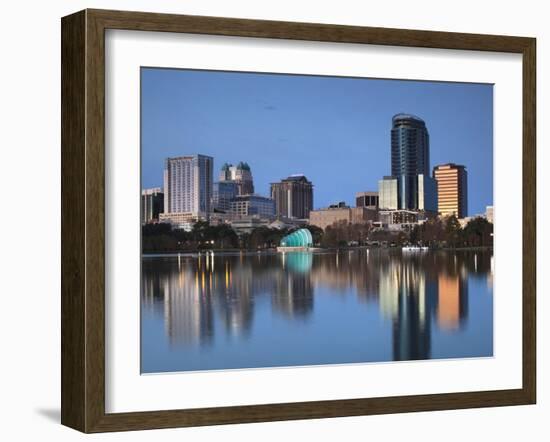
265 310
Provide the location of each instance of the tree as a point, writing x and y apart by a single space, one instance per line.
225 237
431 232
258 238
201 231
453 231
478 233
341 233
316 233
330 237
415 234
156 229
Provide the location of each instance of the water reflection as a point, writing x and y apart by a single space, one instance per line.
272 308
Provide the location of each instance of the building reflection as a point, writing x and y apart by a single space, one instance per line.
211 297
234 298
408 298
293 294
452 308
188 308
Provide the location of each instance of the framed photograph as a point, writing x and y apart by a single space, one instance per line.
270 220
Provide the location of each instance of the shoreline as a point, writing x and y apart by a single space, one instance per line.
273 251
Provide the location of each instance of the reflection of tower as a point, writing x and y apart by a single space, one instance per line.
452 306
390 275
236 302
151 297
188 314
408 297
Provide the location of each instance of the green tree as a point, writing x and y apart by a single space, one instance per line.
156 229
453 231
201 233
330 237
431 232
478 233
225 237
316 233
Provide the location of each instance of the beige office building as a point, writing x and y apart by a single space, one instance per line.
452 189
353 215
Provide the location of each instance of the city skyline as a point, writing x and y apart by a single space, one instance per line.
366 166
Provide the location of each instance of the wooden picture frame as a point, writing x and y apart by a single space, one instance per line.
83 220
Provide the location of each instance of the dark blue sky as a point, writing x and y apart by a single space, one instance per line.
334 130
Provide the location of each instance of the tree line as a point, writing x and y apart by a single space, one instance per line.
163 238
435 232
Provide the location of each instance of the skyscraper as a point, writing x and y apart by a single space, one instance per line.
293 197
152 202
410 157
188 185
240 175
452 189
223 193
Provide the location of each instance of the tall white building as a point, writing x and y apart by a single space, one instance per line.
188 185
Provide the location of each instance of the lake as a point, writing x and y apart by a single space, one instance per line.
249 310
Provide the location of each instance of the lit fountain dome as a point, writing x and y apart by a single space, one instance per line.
299 238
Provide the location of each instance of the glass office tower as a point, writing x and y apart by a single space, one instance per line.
410 157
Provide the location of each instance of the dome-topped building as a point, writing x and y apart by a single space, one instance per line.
240 174
243 166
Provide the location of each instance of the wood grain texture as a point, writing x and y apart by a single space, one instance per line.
83 220
529 220
73 253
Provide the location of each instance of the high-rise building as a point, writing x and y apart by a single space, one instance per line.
240 175
388 193
427 194
222 194
367 199
152 204
293 197
452 189
410 157
188 185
